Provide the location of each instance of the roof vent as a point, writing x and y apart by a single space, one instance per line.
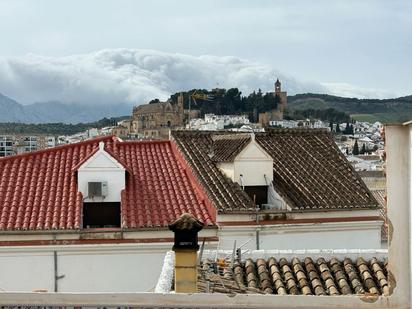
97 189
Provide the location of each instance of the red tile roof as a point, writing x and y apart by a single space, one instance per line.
39 190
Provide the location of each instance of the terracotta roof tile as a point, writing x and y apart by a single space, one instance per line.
227 146
380 196
333 276
309 170
38 191
224 193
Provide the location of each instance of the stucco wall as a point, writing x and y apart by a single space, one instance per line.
115 183
86 268
99 168
352 235
253 162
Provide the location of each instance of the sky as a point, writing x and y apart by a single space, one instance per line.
350 47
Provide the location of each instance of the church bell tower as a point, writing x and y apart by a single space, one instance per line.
278 87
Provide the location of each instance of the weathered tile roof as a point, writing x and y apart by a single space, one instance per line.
38 191
225 194
380 196
380 174
294 276
227 146
309 170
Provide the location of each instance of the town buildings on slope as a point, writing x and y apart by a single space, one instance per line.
12 144
100 209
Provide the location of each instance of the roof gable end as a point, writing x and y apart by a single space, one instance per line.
253 151
101 160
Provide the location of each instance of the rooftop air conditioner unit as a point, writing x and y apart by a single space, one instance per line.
97 189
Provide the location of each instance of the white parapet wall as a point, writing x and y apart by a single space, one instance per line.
332 235
86 268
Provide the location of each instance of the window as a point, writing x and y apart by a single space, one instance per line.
101 215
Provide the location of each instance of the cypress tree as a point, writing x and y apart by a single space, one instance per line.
363 150
347 129
337 128
355 150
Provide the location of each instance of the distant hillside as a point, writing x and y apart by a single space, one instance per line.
56 128
47 112
230 101
387 110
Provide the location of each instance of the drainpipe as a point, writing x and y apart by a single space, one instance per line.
257 229
56 276
241 181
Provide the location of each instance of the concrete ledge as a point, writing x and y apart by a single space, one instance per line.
151 300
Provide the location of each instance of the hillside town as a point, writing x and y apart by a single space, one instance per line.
273 185
359 141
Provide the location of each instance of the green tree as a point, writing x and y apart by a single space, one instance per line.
355 150
270 102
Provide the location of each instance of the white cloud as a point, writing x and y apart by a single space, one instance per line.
348 90
135 76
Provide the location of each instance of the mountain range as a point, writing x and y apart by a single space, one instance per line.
54 111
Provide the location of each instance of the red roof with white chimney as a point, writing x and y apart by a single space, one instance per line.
38 191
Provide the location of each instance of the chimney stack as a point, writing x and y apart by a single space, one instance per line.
185 247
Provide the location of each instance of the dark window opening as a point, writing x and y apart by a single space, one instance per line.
169 123
100 215
259 194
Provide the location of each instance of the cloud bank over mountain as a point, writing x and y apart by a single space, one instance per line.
135 76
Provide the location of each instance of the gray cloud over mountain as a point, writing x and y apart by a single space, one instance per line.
135 76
